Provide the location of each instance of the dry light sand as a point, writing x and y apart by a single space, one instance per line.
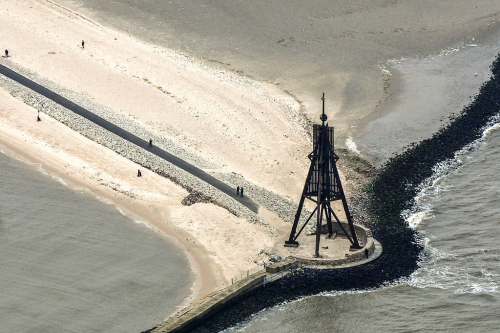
239 124
236 123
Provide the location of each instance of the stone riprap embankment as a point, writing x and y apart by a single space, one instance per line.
127 123
189 317
284 207
392 196
123 147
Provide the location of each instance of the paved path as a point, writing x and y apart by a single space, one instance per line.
376 253
129 137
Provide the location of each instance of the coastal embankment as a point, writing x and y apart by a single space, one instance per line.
234 96
135 149
191 316
224 124
38 96
392 197
242 286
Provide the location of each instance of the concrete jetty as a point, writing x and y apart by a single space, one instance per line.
189 317
195 313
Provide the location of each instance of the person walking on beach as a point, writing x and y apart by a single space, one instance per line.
151 142
6 53
238 190
139 174
241 191
83 44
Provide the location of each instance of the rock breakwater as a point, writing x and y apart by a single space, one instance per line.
119 145
391 194
284 207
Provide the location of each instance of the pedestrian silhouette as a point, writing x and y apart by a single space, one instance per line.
6 53
83 44
366 253
241 191
139 174
151 142
238 190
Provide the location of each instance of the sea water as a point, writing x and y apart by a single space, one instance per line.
456 288
71 263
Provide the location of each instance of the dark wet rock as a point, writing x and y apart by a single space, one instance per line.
392 192
195 197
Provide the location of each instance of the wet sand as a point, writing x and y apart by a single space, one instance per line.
425 93
296 51
198 108
341 48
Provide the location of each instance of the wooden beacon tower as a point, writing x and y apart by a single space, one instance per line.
322 187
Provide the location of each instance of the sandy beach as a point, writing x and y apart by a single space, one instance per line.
231 123
341 48
198 108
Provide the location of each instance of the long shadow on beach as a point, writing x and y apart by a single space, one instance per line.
393 191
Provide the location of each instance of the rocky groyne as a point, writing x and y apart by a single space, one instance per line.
121 146
391 194
284 207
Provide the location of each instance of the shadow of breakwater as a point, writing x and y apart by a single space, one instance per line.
392 192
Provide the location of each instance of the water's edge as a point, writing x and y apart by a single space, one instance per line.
392 193
66 256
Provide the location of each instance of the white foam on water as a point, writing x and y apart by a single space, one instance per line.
430 188
261 315
121 210
240 327
475 288
459 278
56 178
442 270
429 274
351 145
104 200
491 129
118 209
141 222
348 292
433 273
38 166
81 189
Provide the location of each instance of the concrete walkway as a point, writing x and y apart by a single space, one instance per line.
376 253
143 143
189 317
